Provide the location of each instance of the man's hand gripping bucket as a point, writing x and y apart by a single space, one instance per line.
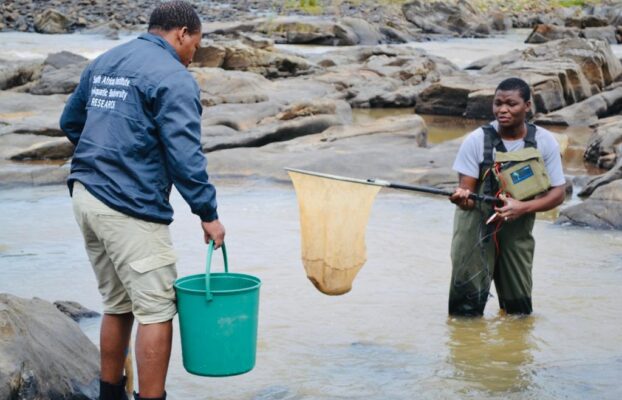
218 315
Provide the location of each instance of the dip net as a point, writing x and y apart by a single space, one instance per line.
333 219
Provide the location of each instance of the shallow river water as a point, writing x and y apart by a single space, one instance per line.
390 337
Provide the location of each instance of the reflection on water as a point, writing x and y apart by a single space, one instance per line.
440 127
492 355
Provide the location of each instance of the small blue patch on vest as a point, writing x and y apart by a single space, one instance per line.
521 174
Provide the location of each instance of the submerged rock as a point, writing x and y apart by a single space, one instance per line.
74 310
44 354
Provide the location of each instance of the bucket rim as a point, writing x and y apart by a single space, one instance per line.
246 277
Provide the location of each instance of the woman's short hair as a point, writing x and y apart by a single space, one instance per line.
515 84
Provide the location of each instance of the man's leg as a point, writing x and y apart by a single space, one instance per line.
153 351
114 340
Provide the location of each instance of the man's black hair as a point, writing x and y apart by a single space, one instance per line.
175 14
515 84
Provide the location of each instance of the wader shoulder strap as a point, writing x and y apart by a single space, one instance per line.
530 138
492 140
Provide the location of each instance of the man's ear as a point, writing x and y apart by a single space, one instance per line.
181 33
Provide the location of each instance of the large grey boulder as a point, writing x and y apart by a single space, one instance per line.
606 33
52 21
235 55
61 74
44 354
603 210
366 33
443 17
18 73
239 87
543 33
308 30
381 76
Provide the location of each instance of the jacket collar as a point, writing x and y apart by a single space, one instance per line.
160 41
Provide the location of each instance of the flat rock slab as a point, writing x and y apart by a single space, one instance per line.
27 113
390 148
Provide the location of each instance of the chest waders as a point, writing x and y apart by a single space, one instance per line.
482 253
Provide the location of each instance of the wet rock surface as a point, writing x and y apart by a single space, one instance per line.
43 353
74 310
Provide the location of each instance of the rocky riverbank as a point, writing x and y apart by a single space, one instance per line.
384 21
265 108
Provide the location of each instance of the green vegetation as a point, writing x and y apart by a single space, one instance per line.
308 6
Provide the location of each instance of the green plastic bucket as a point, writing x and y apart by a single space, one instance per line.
218 320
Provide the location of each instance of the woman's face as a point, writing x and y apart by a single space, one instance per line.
509 108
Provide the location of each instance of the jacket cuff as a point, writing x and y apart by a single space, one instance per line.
208 214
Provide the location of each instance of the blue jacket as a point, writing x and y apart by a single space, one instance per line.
135 119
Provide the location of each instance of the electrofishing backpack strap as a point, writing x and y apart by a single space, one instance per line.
492 140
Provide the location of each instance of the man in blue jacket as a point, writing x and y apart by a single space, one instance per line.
135 119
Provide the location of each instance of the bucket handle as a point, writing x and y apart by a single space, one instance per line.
208 265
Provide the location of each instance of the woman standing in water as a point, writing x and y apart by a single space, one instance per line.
495 243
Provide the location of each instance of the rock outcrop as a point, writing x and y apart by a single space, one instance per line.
44 354
61 74
442 17
603 210
235 55
560 73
